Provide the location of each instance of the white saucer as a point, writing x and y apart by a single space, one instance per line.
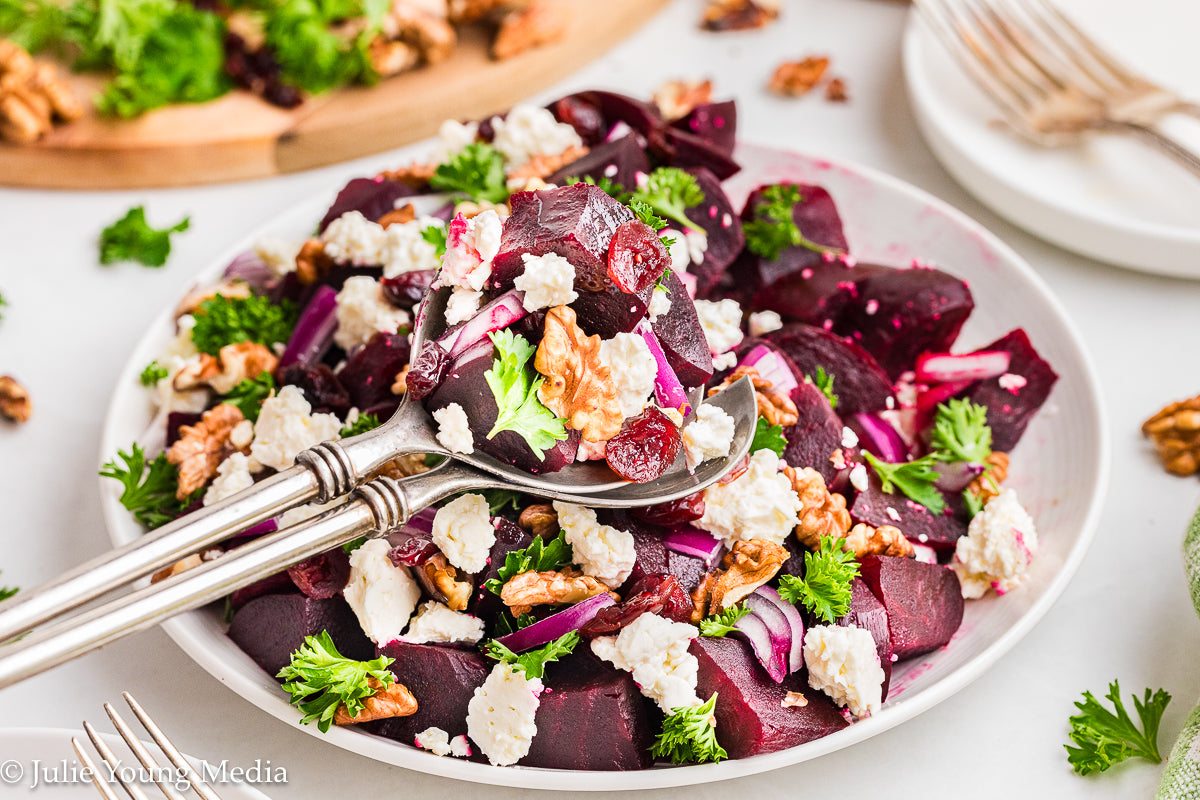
1111 199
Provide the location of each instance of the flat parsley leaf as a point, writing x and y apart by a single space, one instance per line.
610 187
824 381
320 679
825 588
689 735
364 423
961 432
149 487
506 624
6 592
768 437
671 192
914 478
153 373
436 236
477 171
541 556
720 624
248 395
515 392
1103 738
131 239
773 228
226 320
533 662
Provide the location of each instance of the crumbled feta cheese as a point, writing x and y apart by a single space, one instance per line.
471 244
660 303
858 477
233 475
759 504
435 622
454 432
278 254
452 137
182 346
849 438
435 740
1012 382
604 552
463 531
998 548
529 131
547 281
725 361
460 746
697 244
354 239
462 305
843 663
363 311
722 324
286 426
678 251
407 249
655 651
709 435
500 715
633 369
763 322
381 594
242 435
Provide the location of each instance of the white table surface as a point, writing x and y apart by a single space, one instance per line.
1126 615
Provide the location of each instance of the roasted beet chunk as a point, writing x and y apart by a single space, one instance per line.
858 381
322 389
645 447
322 576
442 679
924 602
867 612
636 257
583 115
370 373
685 150
373 197
620 161
722 229
816 434
715 123
609 311
877 507
272 627
1030 377
682 338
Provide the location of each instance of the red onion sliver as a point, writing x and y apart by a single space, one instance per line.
547 630
946 367
668 390
314 330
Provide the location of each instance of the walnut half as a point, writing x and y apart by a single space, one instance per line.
775 407
393 700
203 446
823 513
748 566
529 589
15 404
886 540
578 387
1175 431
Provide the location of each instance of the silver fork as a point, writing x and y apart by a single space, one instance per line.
184 770
1053 84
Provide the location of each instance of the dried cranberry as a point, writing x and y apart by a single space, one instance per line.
413 551
584 117
636 257
652 594
371 371
531 326
322 389
407 289
645 448
257 71
322 576
676 512
427 370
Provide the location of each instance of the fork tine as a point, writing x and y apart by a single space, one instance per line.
132 789
1014 39
199 785
93 770
141 753
1012 50
1073 40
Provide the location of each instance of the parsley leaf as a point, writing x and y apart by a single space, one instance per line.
773 228
248 395
3 303
824 381
541 556
153 373
1103 738
131 239
722 623
610 187
972 502
354 544
690 735
149 486
825 588
500 499
506 624
533 662
436 236
226 320
645 214
6 593
477 171
515 393
364 423
961 432
320 679
768 437
914 478
670 191
312 52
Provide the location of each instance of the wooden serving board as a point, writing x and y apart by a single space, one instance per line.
239 136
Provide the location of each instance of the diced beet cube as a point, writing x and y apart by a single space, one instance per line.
442 679
636 257
715 123
877 507
682 338
867 612
683 149
620 161
716 217
322 576
816 294
279 583
816 434
370 372
322 389
272 627
643 117
858 381
751 719
924 602
370 196
1009 411
509 537
609 311
689 570
645 447
583 114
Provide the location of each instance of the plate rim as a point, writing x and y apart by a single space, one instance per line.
188 633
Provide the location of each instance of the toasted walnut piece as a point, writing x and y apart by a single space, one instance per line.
461 11
886 540
399 216
738 15
529 589
775 407
390 58
234 363
471 209
14 59
184 564
676 99
794 78
540 519
415 175
32 96
578 386
543 166
1175 432
987 485
404 466
196 373
400 384
430 35
701 596
15 404
312 261
794 700
63 102
748 566
232 289
394 700
835 91
823 513
444 577
201 447
525 28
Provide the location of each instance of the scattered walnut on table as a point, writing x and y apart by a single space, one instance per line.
886 540
393 700
835 91
794 78
15 404
823 513
461 11
748 566
544 166
1175 432
738 15
388 57
677 99
578 386
541 520
522 592
523 29
775 407
233 364
202 447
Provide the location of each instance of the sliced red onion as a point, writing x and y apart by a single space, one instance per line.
422 520
314 330
957 476
251 269
877 435
547 630
496 315
770 366
668 390
769 648
693 542
946 367
795 622
264 527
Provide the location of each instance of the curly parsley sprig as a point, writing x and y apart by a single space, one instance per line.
670 191
476 171
248 395
226 320
149 486
320 680
768 437
961 432
153 373
773 228
364 423
515 392
132 239
825 588
1103 738
824 381
540 556
689 735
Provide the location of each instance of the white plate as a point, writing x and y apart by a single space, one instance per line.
1111 199
44 756
1060 471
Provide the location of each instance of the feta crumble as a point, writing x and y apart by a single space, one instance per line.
660 304
471 244
407 249
697 244
709 435
528 131
354 239
438 742
998 548
463 531
547 281
233 475
633 369
844 664
454 432
286 426
763 322
381 594
500 715
858 477
363 311
452 137
678 251
655 651
278 254
722 324
759 504
724 361
462 305
604 552
436 622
